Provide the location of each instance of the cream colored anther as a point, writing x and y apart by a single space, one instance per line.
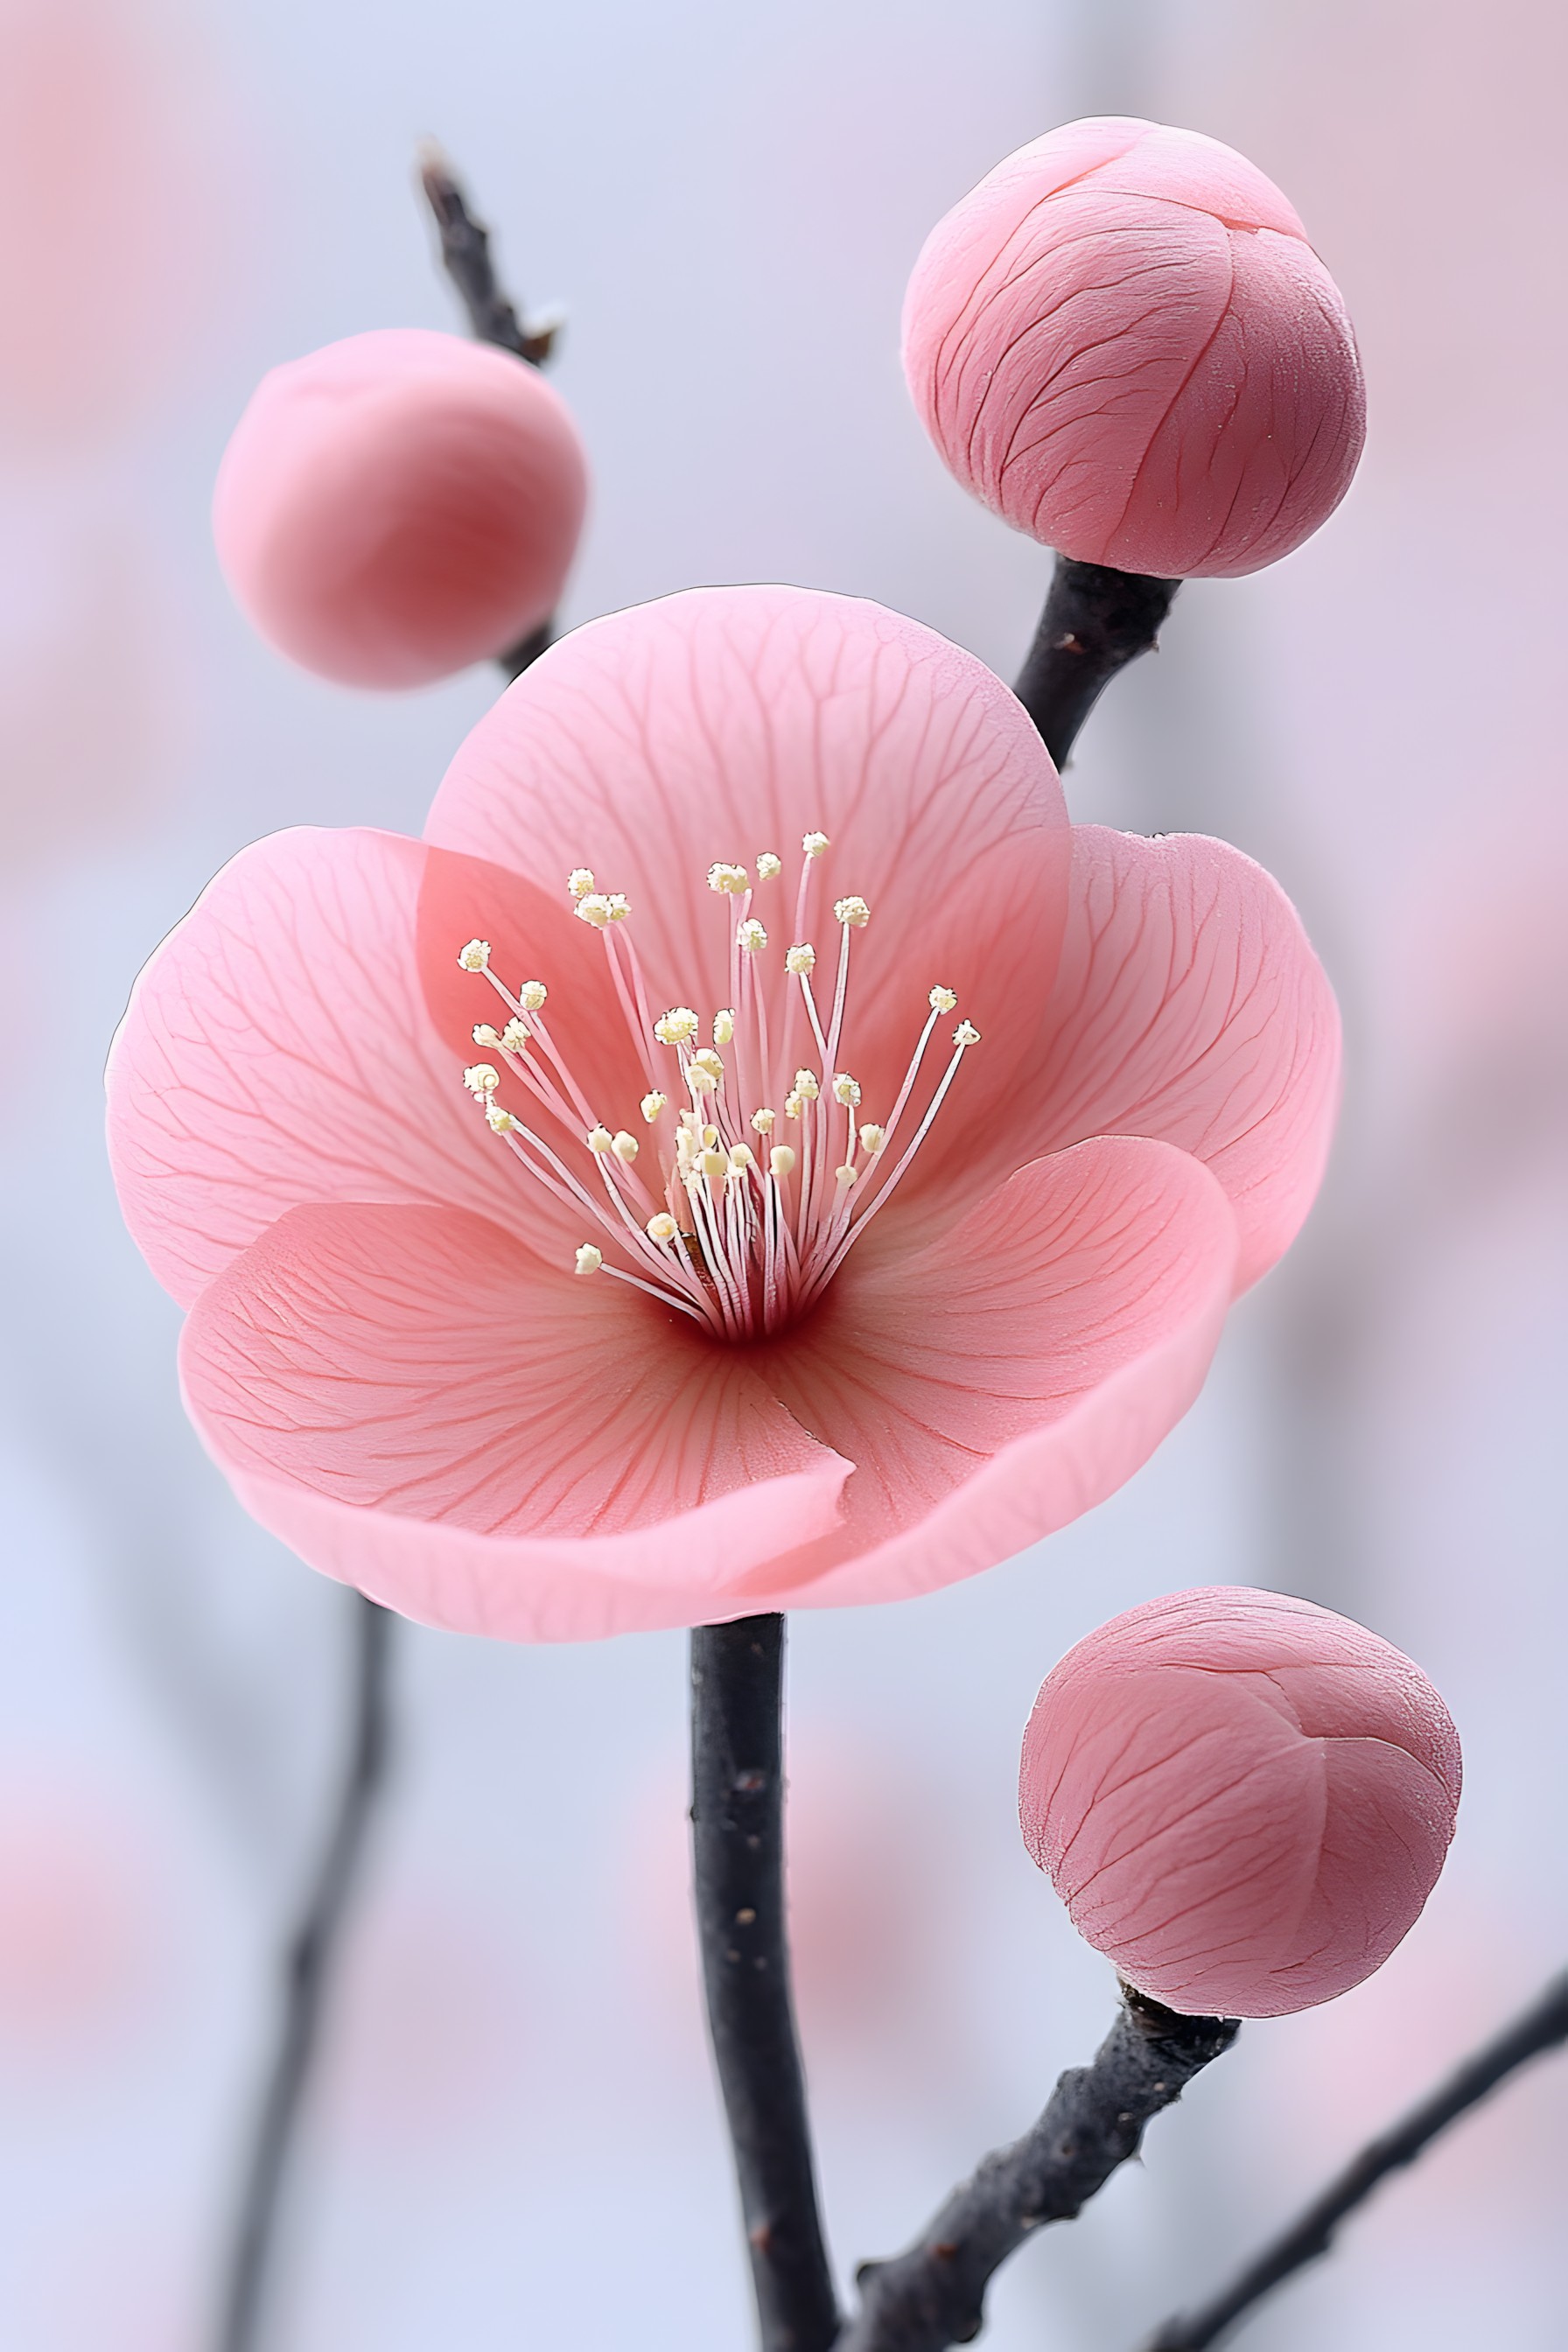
589 1259
724 1026
712 1162
595 909
676 1027
764 1121
853 913
800 960
625 1147
483 1033
476 956
580 881
769 864
943 999
482 1078
734 881
651 1105
500 1122
514 1037
781 1161
814 844
600 1141
805 1086
845 1089
750 936
700 1081
844 1177
532 995
966 1034
872 1137
705 1059
662 1228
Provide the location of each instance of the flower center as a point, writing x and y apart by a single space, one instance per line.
754 1172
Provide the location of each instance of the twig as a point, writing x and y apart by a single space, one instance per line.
932 2294
493 317
737 1815
307 1972
1096 621
466 252
1542 2027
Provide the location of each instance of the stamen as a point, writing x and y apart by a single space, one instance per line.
651 1105
815 844
476 956
625 1147
750 936
852 912
589 1259
600 1141
677 1026
724 1027
800 960
769 864
484 1034
482 1078
733 880
781 1161
580 881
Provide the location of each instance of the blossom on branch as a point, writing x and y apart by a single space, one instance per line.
1122 343
398 505
1243 1799
567 1253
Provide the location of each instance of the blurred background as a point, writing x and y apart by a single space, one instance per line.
516 2138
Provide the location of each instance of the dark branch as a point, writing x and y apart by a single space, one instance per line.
1543 2026
307 1972
466 252
934 2294
1095 621
737 1814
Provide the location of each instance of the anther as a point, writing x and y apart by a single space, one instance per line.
713 1163
677 1026
700 1081
751 935
768 865
845 1178
814 844
792 1106
476 956
620 905
600 1141
500 1122
781 1161
873 1136
625 1147
805 1086
763 1121
740 1159
482 1078
580 881
705 1059
589 1259
800 960
652 1104
596 909
733 880
845 1089
483 1033
709 1138
943 999
966 1034
662 1228
724 1027
514 1037
532 995
853 912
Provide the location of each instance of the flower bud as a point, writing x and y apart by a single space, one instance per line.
1121 342
1243 1799
399 505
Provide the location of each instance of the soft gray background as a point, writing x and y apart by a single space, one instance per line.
515 2142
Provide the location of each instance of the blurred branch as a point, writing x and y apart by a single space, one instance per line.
737 1817
306 1973
932 2294
1543 2026
1096 621
493 317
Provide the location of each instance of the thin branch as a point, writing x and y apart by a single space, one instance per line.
465 253
1543 2026
1096 621
932 2294
737 1816
308 1966
493 317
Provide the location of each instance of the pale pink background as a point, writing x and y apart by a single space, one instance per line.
730 202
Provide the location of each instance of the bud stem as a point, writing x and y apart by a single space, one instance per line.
1096 621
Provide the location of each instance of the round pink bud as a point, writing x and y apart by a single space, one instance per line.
1243 1799
1122 343
398 505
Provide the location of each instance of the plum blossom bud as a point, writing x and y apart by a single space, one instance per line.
398 505
1122 343
1243 1799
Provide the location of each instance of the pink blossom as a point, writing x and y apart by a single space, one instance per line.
399 505
565 1255
1243 1799
1122 343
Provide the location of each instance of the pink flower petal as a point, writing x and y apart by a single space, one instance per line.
1013 1375
277 1049
418 1405
1189 1006
724 722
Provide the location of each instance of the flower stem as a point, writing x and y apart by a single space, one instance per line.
308 1966
1542 2026
932 2294
737 1817
1096 621
493 317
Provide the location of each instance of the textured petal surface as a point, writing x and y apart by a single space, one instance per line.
278 1049
1121 342
398 505
1243 1799
1006 1380
724 722
415 1403
1189 1006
